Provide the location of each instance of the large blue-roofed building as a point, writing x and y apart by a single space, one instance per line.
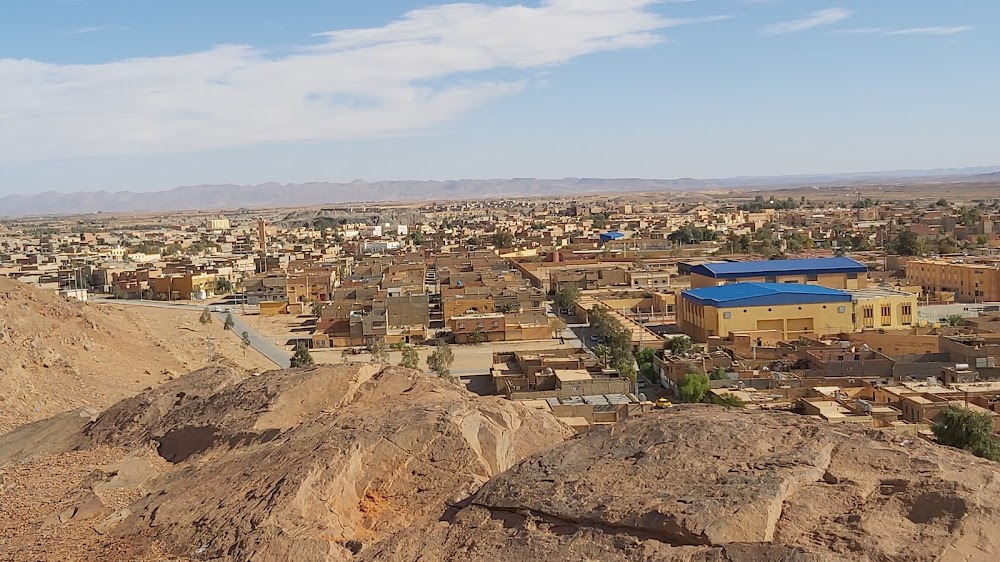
789 309
835 273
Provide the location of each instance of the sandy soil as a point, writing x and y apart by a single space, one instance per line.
58 355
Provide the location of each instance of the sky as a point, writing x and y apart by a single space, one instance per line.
126 95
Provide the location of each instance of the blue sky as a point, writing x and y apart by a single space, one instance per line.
117 94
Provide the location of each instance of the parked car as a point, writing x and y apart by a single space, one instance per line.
595 337
663 404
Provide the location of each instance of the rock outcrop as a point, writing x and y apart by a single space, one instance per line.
382 464
314 464
706 484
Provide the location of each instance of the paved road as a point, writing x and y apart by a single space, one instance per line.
277 354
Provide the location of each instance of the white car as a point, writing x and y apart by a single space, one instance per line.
217 309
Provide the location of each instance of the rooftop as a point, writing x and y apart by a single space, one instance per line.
810 266
764 294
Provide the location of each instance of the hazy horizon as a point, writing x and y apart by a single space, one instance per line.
106 95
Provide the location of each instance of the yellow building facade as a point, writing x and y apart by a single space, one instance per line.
971 282
792 309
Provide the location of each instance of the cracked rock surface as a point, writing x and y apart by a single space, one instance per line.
701 483
381 464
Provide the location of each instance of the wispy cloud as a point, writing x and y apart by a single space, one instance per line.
97 29
888 31
932 30
815 19
412 75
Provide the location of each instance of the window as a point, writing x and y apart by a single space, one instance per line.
841 309
482 325
812 277
461 325
727 315
496 324
852 275
771 279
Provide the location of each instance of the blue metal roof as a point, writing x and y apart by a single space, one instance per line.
764 294
612 235
812 266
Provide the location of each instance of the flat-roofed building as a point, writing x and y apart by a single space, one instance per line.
789 308
969 281
834 273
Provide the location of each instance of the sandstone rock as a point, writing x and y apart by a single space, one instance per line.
109 523
703 483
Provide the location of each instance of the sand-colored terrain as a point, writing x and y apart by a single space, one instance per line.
57 354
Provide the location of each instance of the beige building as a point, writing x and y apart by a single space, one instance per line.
970 282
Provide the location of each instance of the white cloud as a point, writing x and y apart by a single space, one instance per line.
932 30
427 68
815 19
97 29
941 31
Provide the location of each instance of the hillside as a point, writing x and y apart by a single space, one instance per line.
368 463
290 465
58 354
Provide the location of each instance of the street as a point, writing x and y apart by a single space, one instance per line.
275 353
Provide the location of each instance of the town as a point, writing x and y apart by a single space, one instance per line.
594 309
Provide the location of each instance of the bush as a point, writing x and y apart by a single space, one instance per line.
302 357
727 399
963 428
693 388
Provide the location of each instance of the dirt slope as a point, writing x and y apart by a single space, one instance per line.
290 465
58 354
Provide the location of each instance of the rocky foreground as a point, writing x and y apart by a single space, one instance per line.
369 463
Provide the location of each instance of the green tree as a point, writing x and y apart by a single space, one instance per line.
302 357
693 388
206 317
942 202
602 352
410 359
600 220
118 292
223 285
718 374
907 244
245 342
230 322
317 309
678 345
558 325
946 245
964 429
502 239
477 337
379 353
441 359
727 399
568 296
645 355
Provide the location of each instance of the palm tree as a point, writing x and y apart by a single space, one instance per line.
954 320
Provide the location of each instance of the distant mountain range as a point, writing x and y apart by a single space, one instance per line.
230 196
